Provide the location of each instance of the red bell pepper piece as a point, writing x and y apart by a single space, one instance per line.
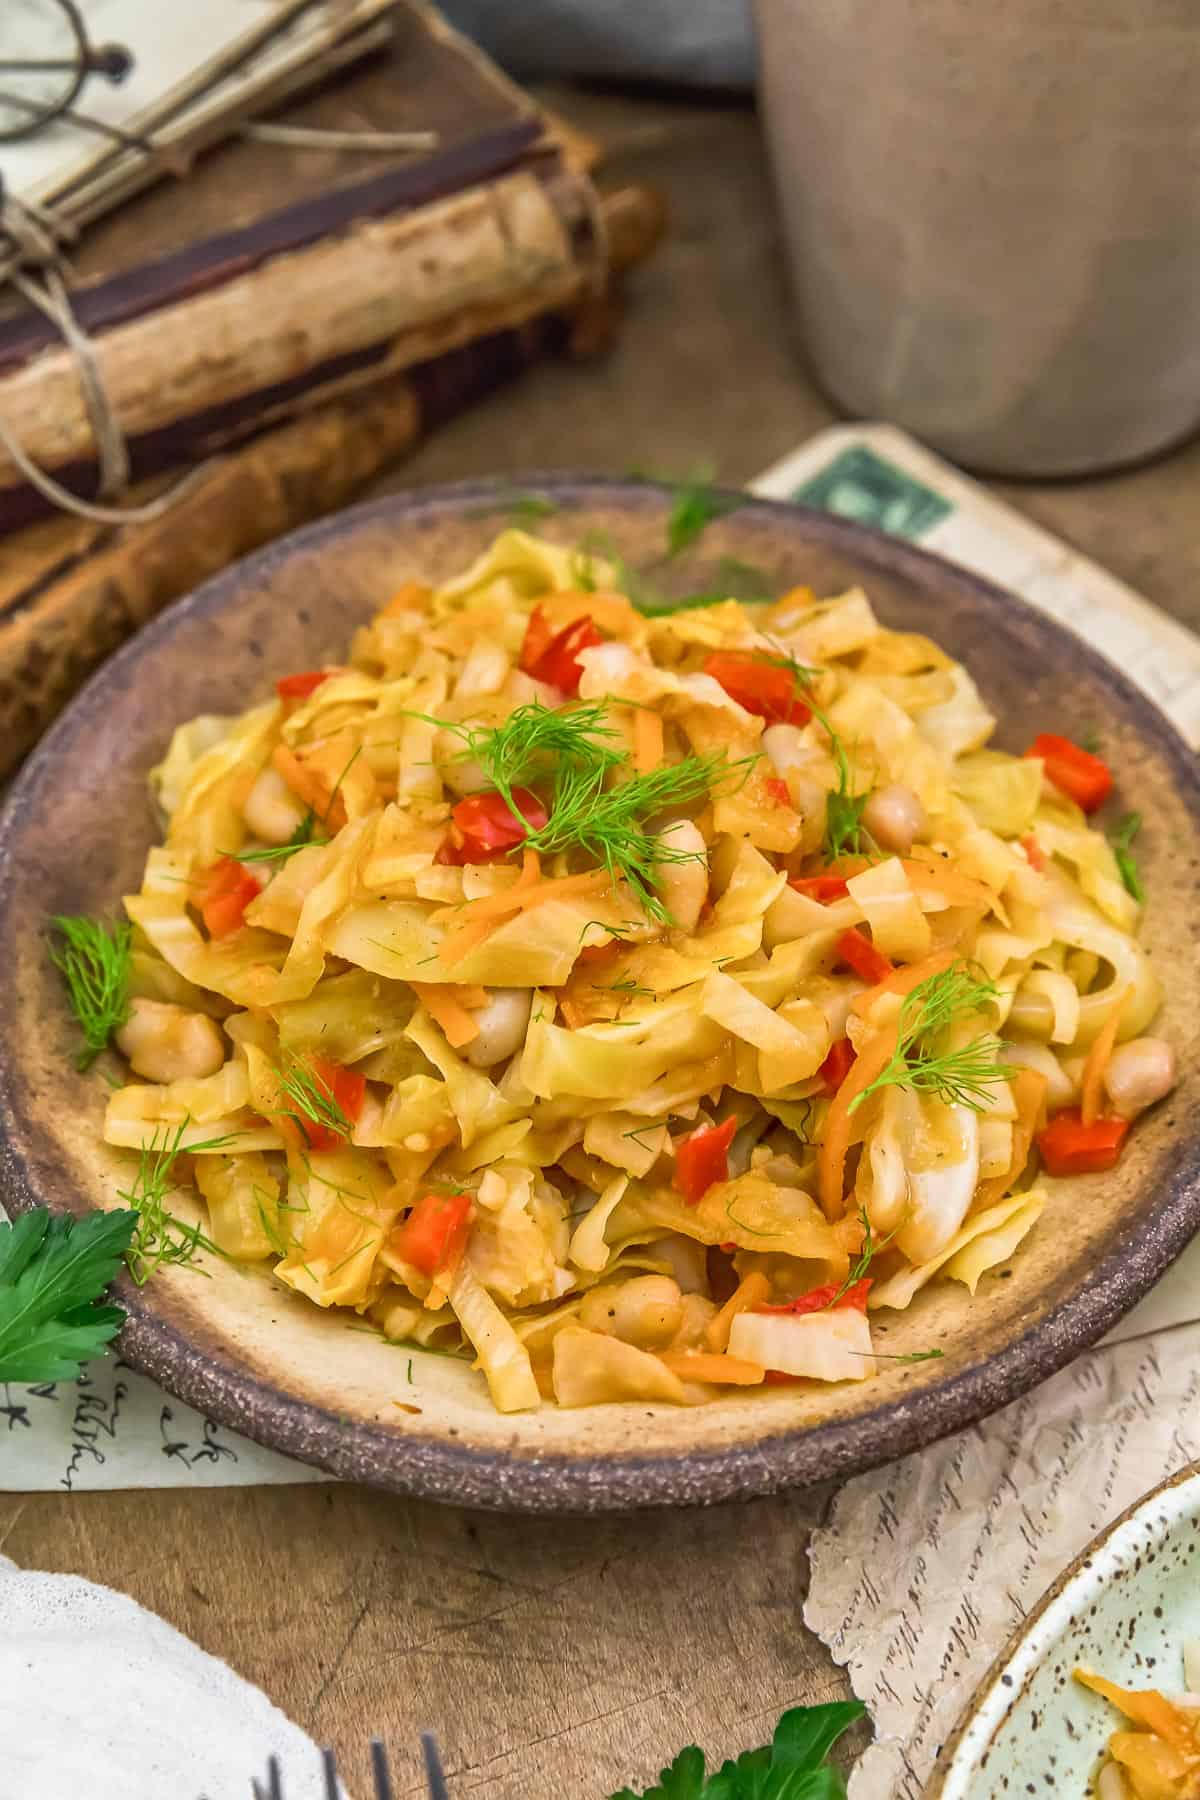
703 1159
434 1235
777 787
347 1091
762 687
488 827
1035 853
829 1296
834 1070
300 687
857 950
1084 778
553 656
821 887
229 892
1069 1147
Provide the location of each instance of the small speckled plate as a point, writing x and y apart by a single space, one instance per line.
1125 1608
322 1387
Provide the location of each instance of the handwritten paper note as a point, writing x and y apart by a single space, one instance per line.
927 1567
113 1428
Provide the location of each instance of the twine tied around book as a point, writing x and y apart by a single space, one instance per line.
35 236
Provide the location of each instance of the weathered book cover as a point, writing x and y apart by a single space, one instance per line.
71 591
278 277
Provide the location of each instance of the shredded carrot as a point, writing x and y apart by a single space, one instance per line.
1029 1098
411 594
439 1002
903 980
612 612
484 915
647 740
304 784
1091 1088
750 1292
1145 1707
721 1371
311 786
957 889
871 1060
471 997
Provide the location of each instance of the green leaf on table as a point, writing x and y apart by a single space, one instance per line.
53 1273
792 1767
683 1780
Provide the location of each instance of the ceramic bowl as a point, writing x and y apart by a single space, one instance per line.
1125 1608
318 1386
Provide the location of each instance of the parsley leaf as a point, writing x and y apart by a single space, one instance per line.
683 1780
792 1767
53 1271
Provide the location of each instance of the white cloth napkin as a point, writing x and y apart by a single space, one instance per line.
103 1700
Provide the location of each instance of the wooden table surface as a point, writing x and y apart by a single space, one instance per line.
559 1659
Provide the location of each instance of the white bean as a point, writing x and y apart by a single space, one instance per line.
646 1311
683 886
1061 1090
785 746
1139 1073
895 818
164 1042
272 812
503 1021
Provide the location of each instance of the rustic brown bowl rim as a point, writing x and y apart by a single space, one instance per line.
542 1482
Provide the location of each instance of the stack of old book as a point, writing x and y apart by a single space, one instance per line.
283 321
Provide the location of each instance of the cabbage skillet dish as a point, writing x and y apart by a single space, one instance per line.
636 1002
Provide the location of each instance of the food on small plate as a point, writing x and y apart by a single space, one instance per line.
633 999
1159 1758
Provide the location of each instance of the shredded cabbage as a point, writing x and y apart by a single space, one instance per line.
470 1074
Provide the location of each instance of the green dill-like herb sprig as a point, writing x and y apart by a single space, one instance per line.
159 1238
607 823
922 1061
694 506
311 1102
1121 838
303 838
845 833
573 752
94 963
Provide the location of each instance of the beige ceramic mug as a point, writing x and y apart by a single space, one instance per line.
992 210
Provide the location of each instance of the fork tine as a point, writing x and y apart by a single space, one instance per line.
275 1780
381 1771
329 1765
434 1773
